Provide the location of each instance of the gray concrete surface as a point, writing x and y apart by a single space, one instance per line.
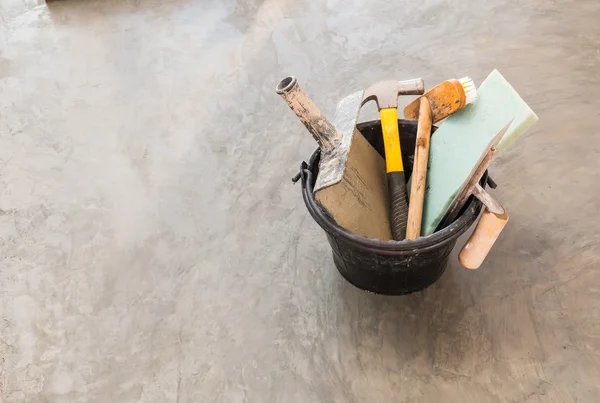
154 250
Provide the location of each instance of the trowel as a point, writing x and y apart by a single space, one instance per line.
351 185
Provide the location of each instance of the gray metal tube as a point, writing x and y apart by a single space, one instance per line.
317 124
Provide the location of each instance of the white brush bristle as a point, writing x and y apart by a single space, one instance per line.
470 90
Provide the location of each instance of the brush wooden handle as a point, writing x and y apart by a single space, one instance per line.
317 124
445 99
419 173
480 242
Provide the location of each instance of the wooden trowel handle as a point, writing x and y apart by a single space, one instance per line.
480 242
317 124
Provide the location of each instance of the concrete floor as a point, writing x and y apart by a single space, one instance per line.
154 249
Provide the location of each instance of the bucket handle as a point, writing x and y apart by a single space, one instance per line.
316 156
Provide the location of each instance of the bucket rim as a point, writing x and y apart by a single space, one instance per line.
421 244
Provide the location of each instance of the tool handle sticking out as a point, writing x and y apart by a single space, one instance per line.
317 124
395 172
445 99
419 173
480 242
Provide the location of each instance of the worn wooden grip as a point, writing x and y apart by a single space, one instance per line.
482 239
419 173
398 205
317 124
445 99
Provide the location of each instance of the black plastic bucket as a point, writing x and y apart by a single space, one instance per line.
387 267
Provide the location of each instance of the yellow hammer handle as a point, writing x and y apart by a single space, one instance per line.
391 140
395 172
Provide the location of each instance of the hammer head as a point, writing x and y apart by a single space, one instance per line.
333 163
386 93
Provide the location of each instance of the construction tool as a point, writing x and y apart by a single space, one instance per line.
419 173
472 182
444 99
457 145
386 93
488 229
351 185
494 217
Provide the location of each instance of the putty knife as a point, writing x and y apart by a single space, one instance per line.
351 185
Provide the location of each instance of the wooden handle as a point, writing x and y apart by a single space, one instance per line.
482 239
317 124
419 173
445 99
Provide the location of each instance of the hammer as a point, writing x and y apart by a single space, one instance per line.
386 93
